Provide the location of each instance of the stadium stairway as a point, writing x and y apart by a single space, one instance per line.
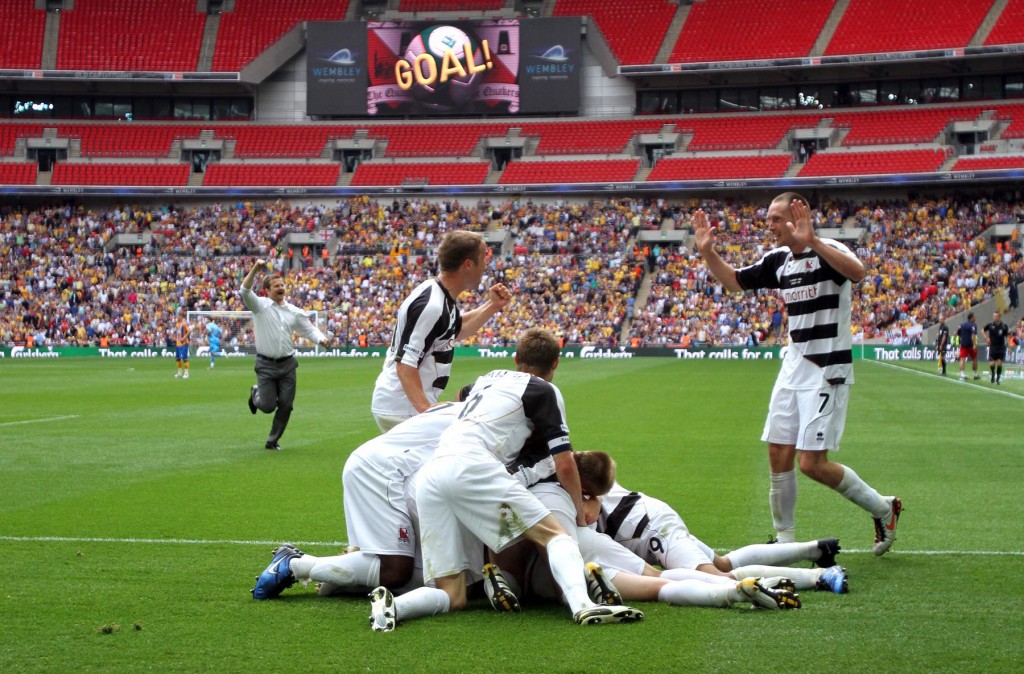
948 164
830 27
672 34
208 43
51 31
988 23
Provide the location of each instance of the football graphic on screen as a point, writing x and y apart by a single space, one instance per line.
456 89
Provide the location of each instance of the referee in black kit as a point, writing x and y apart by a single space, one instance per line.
274 321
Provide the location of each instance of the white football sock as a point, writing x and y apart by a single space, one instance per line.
696 593
861 493
782 498
421 602
693 574
568 570
804 579
353 570
777 554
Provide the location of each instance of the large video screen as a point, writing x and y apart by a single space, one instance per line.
492 66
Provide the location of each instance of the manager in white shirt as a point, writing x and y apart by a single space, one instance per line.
274 321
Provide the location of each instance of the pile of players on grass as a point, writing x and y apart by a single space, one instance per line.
434 463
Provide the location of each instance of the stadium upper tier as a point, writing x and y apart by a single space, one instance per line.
769 29
871 26
129 35
908 139
168 35
255 25
21 28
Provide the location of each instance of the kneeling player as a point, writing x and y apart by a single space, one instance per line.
377 514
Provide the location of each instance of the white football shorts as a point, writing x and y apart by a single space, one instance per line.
376 514
678 549
810 419
475 490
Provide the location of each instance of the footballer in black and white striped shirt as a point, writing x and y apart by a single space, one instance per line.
807 412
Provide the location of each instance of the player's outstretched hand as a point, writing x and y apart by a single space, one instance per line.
703 232
499 295
801 227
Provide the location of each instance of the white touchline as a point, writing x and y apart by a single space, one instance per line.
342 544
38 421
951 380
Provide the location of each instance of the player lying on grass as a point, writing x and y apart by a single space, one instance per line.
608 559
635 580
652 530
700 585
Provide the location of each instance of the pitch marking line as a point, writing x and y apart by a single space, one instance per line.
340 544
38 421
953 380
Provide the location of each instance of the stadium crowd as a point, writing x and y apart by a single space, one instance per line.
576 268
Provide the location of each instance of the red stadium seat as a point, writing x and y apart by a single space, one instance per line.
21 35
65 173
262 175
712 168
873 163
281 140
741 132
872 26
634 30
736 30
1009 28
916 125
988 163
587 137
255 25
18 173
461 173
1015 115
434 140
130 35
10 133
128 139
580 171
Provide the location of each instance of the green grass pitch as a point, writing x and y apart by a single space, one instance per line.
135 510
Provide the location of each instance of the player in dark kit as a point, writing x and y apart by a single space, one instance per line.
968 334
996 333
941 344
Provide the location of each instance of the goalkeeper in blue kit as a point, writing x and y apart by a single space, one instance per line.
213 333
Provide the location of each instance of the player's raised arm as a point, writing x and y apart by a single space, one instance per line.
705 239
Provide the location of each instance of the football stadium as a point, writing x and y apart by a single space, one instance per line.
268 266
